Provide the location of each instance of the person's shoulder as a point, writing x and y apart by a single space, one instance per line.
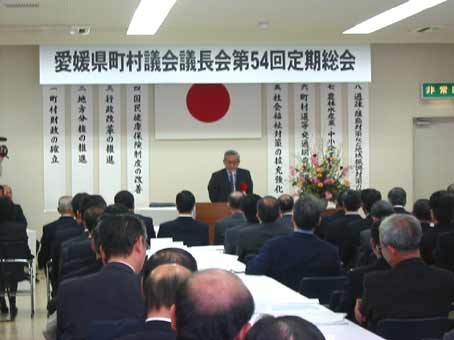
377 278
242 170
200 224
443 274
219 172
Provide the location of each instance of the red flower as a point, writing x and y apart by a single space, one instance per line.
243 187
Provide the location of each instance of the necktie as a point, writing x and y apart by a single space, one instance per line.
232 181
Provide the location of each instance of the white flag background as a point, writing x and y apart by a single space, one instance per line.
304 97
82 138
54 145
208 111
331 116
109 141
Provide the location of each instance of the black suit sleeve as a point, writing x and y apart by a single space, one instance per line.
213 189
44 251
250 187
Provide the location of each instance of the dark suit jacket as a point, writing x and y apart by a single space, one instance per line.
337 232
14 244
289 258
225 224
252 238
429 241
17 214
156 330
112 294
286 220
320 231
232 237
49 231
219 187
148 221
400 210
409 290
444 251
349 252
186 229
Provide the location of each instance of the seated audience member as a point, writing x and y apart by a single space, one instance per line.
76 204
11 231
236 218
66 220
185 228
411 289
336 231
379 211
284 328
354 289
170 256
289 258
252 238
328 219
398 199
127 199
450 188
444 251
442 207
202 312
114 293
249 209
286 210
354 229
421 210
160 289
17 214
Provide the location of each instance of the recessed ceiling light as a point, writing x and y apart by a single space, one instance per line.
392 16
149 16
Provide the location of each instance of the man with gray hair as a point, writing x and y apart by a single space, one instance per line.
65 221
230 179
410 289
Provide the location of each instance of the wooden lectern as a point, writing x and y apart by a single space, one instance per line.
210 213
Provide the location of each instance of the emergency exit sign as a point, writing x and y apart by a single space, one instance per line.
437 90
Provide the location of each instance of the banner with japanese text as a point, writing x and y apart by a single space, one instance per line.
54 145
304 104
278 138
331 115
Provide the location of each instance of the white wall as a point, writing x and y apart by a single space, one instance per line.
397 73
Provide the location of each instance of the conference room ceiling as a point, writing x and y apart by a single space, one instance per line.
218 21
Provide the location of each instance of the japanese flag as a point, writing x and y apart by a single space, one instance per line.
208 111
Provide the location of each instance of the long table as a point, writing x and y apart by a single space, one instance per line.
272 297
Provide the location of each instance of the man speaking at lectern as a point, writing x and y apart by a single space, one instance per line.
229 179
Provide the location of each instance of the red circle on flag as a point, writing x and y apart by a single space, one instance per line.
208 103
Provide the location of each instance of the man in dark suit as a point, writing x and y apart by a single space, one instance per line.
249 209
289 258
444 251
337 232
328 219
442 207
411 289
127 199
230 179
421 210
112 294
65 221
354 229
185 228
202 312
11 231
233 220
252 238
286 210
398 199
160 289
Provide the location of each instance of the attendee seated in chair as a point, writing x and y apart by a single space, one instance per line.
112 294
17 214
289 258
185 228
127 199
284 328
212 305
411 289
160 289
328 219
13 244
398 199
232 236
421 210
236 218
251 239
286 210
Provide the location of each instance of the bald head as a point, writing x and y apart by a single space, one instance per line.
234 200
285 203
268 209
7 191
161 286
212 304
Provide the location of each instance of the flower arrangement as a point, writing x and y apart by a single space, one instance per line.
322 176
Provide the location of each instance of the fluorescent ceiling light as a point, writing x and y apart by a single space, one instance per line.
149 16
392 16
